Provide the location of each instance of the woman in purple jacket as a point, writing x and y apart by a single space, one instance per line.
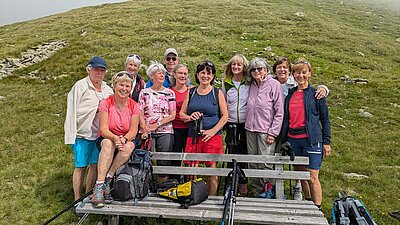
263 121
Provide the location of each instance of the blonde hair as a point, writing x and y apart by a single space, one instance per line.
122 76
238 58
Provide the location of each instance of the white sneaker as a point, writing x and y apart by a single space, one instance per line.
297 195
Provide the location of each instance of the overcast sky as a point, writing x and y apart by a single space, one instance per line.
12 11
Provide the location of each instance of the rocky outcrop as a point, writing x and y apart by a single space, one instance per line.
30 57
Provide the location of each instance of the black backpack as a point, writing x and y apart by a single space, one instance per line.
133 179
348 210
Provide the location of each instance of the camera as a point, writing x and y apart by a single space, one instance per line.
197 127
286 149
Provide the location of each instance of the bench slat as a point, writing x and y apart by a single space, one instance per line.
202 214
206 171
273 207
155 197
299 160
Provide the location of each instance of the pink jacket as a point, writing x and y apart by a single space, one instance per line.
265 107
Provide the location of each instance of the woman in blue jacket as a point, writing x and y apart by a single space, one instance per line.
306 127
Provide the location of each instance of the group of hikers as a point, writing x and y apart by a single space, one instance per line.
265 106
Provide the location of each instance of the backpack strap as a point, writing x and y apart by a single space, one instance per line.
191 93
215 95
216 98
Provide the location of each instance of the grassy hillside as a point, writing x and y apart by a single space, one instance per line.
338 37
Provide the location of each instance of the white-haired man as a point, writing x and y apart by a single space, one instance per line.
82 122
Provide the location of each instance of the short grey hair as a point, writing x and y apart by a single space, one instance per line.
89 67
154 67
135 58
257 63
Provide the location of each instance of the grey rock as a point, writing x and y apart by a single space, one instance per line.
269 48
395 105
355 175
363 113
34 55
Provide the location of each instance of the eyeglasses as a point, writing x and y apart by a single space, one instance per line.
121 74
168 58
259 69
134 56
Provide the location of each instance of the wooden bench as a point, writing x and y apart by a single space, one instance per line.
248 210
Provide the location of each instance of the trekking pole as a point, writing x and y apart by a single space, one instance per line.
227 196
68 207
235 180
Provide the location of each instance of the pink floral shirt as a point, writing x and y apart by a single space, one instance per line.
157 105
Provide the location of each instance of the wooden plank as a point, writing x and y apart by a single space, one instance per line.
228 158
240 207
248 204
113 219
205 171
279 184
194 214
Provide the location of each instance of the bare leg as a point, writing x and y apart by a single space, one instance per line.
105 158
306 189
212 182
77 181
91 177
304 184
315 187
121 157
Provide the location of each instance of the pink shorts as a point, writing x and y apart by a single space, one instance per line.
213 146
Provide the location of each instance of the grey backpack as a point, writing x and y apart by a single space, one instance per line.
133 179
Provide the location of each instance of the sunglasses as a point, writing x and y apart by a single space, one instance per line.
206 63
301 61
259 69
121 74
171 58
133 56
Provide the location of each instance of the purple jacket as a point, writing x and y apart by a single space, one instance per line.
265 107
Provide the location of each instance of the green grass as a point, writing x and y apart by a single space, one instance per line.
36 167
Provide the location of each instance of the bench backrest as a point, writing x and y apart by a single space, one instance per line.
278 161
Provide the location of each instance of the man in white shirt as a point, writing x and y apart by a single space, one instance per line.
82 123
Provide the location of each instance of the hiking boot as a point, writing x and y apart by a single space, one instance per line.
74 210
107 190
297 195
98 195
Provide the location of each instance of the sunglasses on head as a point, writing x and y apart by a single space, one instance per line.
206 63
134 56
301 61
173 58
121 74
259 69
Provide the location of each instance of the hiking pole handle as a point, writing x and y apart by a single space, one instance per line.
68 207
